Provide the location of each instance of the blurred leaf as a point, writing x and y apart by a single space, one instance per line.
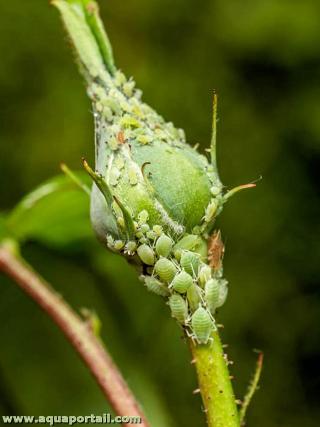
55 213
3 230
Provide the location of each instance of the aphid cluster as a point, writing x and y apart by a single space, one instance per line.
173 261
174 271
123 117
155 198
124 124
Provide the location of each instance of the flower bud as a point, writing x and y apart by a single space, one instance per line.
154 198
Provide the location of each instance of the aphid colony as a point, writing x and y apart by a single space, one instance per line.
172 265
172 256
125 124
174 271
119 103
155 198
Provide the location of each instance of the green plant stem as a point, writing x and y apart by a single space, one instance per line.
78 333
215 383
253 387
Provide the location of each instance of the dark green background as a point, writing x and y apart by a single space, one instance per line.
263 57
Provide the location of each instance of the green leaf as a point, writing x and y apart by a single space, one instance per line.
56 213
3 228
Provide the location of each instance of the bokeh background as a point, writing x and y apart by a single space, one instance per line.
263 57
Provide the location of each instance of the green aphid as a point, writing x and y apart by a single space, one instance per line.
131 247
113 104
114 176
120 221
190 262
223 292
182 282
151 235
110 241
119 78
193 295
197 229
107 112
129 121
211 210
93 320
144 139
202 325
118 245
204 274
146 254
188 242
161 134
99 107
143 217
98 91
133 178
128 88
165 269
154 285
136 108
212 292
113 143
119 162
164 245
216 190
179 308
126 107
144 228
157 229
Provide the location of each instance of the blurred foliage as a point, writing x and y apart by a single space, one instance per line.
264 60
56 213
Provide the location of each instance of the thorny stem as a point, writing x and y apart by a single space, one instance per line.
214 131
215 383
77 332
253 386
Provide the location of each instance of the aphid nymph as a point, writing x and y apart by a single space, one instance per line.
202 325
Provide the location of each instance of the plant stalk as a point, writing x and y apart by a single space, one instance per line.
215 383
78 333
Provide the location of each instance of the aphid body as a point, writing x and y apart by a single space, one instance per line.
165 269
212 292
182 282
204 274
146 254
193 296
190 262
202 325
164 245
154 285
179 308
188 242
223 292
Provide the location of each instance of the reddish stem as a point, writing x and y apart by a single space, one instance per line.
77 332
